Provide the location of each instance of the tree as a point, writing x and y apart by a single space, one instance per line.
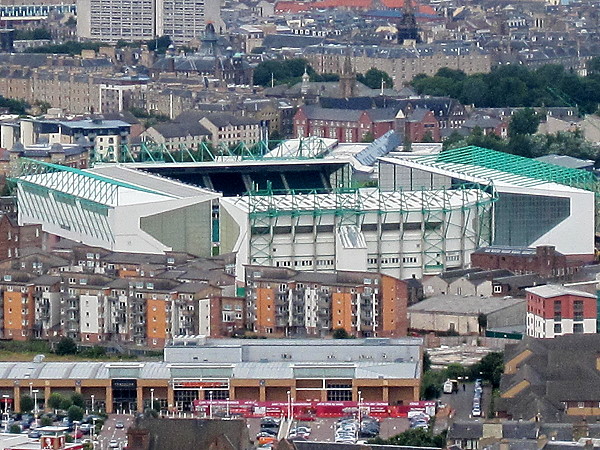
415 437
341 333
159 45
426 361
77 400
66 346
524 122
15 429
373 78
65 403
75 413
46 421
27 403
368 137
482 321
455 371
490 368
287 71
55 400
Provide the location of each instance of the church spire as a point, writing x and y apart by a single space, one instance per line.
347 77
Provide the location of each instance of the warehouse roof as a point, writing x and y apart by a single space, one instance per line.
467 305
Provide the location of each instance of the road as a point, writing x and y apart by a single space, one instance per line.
110 431
462 401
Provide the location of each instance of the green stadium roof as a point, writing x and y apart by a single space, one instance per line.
486 163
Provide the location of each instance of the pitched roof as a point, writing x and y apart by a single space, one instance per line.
466 430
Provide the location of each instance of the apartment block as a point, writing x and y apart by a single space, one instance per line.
95 296
142 20
553 310
286 302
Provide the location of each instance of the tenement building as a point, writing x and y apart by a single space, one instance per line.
401 63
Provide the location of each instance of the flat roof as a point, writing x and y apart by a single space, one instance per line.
467 305
553 290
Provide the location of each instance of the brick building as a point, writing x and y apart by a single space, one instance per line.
345 125
421 125
554 311
543 260
14 238
288 302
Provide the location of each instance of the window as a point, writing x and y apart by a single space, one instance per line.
557 328
577 328
558 310
578 310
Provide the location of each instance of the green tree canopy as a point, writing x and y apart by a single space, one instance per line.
512 86
286 71
66 346
373 78
27 403
490 368
341 333
55 400
75 413
77 400
415 437
523 122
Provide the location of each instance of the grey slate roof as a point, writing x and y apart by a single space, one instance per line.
465 430
519 430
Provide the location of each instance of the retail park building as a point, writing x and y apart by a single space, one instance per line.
197 368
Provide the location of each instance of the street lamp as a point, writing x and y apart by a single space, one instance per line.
35 406
92 403
152 398
5 397
76 423
359 407
93 432
30 388
210 411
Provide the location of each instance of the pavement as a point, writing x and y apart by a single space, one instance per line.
111 432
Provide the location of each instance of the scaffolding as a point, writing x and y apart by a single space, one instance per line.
470 202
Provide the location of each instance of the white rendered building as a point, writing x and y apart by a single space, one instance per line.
538 203
116 208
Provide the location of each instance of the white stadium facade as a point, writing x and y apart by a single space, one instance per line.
428 214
